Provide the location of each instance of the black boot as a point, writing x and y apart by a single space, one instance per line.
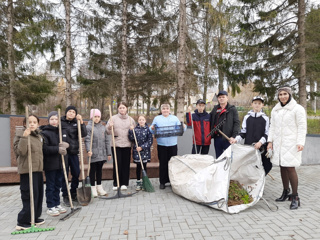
295 202
284 196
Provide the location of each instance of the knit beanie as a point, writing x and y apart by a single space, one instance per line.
71 108
286 89
53 113
96 113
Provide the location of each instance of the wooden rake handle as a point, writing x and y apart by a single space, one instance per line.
63 163
114 149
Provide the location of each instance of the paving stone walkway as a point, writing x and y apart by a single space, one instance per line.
164 215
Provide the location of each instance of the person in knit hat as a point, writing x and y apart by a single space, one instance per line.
69 127
287 136
100 153
52 163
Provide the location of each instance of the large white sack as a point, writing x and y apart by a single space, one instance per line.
205 180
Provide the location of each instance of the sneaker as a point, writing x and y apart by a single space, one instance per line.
53 212
66 201
39 221
139 185
115 188
61 209
123 187
22 226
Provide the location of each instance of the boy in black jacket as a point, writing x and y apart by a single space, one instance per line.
70 132
255 128
52 163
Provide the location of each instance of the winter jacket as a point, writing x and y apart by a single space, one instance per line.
70 133
255 128
121 125
51 157
287 130
169 121
101 142
145 140
231 127
20 147
201 127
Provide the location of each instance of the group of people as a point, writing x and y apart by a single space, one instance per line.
285 137
280 141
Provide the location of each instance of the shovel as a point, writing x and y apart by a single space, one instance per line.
83 193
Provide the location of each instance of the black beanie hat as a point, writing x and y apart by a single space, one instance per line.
71 108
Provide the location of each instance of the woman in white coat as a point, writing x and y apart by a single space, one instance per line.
286 138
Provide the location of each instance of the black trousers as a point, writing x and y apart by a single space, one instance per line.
139 168
96 172
24 216
202 149
73 163
123 157
164 155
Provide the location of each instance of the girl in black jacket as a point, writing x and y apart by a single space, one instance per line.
52 151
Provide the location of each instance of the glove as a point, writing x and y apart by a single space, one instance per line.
64 145
269 153
62 151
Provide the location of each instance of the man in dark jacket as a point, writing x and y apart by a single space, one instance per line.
70 132
231 126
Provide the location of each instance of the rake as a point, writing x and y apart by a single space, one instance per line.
33 228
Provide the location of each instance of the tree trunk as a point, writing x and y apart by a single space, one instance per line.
318 98
302 53
68 54
181 61
312 91
11 67
206 63
124 64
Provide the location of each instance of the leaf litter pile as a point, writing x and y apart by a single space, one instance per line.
238 195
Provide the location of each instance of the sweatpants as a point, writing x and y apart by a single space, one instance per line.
123 160
24 216
164 155
96 172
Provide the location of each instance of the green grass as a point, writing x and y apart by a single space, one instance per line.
313 126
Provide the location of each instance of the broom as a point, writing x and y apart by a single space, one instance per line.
145 180
33 228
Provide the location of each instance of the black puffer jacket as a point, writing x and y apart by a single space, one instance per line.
51 156
70 132
231 127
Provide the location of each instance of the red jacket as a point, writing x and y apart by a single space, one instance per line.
201 126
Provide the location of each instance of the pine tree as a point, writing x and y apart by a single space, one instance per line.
23 37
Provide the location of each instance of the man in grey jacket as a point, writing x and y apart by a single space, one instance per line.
231 127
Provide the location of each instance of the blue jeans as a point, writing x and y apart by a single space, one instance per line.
220 145
73 162
53 184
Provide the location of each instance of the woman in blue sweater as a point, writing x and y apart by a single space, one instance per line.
166 146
